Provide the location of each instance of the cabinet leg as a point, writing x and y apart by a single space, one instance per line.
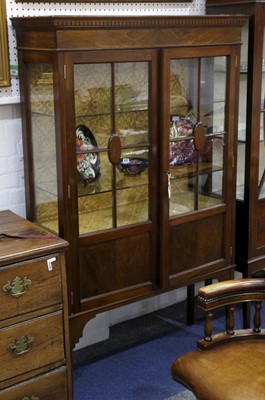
191 301
190 304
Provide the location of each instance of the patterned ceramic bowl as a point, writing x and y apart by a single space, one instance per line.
132 165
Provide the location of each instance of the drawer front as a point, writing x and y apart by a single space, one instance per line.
50 386
30 286
28 346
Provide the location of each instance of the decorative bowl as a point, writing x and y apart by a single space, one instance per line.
132 165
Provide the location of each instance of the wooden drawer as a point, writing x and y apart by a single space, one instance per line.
47 346
42 286
50 386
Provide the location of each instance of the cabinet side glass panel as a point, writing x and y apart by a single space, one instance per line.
262 129
43 144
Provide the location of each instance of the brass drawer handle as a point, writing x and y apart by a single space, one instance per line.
31 398
21 345
17 287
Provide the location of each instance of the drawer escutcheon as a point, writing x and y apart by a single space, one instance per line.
17 287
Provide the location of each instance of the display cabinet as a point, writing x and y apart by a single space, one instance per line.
250 205
129 129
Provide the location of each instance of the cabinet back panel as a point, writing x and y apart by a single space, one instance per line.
114 265
197 243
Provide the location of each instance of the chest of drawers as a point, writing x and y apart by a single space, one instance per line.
35 358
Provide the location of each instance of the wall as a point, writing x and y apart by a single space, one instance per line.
11 155
11 160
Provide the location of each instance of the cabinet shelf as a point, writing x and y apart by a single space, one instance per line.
189 171
130 182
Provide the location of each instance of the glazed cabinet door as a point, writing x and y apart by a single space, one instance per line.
198 174
112 136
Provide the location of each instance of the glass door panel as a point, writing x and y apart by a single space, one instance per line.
43 144
183 117
132 126
212 115
197 95
112 194
93 102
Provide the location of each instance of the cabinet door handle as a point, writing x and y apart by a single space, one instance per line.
168 183
21 345
114 149
17 287
31 398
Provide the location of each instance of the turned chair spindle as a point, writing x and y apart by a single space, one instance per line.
230 320
257 316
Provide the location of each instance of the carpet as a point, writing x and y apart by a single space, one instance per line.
134 363
139 330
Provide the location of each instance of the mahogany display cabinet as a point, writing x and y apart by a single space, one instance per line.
130 128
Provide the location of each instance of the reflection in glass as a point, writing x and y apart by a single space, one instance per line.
43 144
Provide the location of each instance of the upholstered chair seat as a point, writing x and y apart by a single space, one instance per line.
229 365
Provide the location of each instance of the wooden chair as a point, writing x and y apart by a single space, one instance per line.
229 365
